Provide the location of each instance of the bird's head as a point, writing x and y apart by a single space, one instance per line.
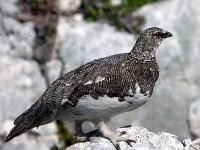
152 37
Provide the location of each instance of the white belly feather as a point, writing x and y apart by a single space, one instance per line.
89 108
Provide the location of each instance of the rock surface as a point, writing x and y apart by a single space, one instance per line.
145 140
21 84
16 38
20 77
21 81
81 42
69 5
41 139
194 118
52 70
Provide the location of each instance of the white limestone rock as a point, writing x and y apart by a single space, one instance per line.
21 85
16 38
52 70
69 5
194 118
41 139
81 42
145 140
9 7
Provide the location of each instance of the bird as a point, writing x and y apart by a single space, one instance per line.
99 90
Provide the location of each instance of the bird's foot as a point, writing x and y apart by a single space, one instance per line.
95 132
80 138
128 126
86 137
114 137
122 133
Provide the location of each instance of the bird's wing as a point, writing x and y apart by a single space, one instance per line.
101 77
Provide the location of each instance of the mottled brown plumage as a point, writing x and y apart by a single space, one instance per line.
121 72
126 79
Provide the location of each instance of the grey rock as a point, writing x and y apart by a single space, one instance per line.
69 5
9 7
195 145
187 143
16 39
41 139
194 118
21 85
116 2
52 70
21 81
145 140
80 42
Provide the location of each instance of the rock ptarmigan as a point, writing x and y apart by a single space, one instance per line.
99 89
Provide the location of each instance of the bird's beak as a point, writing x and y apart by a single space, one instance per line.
167 34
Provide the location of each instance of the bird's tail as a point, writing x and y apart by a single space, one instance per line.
25 122
41 112
16 130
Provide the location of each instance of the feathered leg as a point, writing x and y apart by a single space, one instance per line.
79 133
80 136
112 136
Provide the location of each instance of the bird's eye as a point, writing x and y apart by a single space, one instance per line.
156 34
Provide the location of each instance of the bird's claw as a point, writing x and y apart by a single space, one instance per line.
86 137
96 133
122 133
117 147
80 138
128 126
75 135
129 141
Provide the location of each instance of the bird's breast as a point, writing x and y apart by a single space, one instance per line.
90 108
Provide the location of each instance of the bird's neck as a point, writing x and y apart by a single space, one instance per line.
143 52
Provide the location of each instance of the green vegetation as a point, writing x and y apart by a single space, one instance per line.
114 14
93 10
55 148
33 3
34 6
139 21
50 29
65 138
